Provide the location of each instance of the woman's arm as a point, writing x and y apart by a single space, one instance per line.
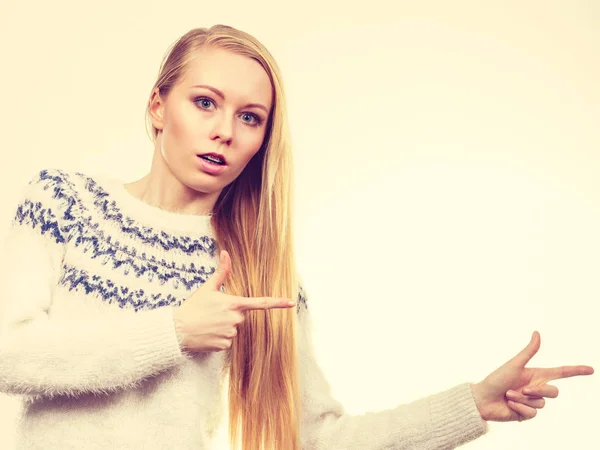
444 420
41 355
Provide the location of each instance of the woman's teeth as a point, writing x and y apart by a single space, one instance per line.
211 160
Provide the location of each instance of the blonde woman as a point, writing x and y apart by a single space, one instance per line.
124 306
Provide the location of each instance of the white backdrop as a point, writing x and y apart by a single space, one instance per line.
448 197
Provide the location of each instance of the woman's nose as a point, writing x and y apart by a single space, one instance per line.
223 128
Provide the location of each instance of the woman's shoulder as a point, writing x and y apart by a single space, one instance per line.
58 182
42 187
40 203
58 200
50 178
56 192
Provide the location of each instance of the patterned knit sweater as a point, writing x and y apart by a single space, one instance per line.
90 278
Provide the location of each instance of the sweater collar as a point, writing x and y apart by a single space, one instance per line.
152 215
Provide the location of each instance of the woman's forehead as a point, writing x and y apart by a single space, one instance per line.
234 75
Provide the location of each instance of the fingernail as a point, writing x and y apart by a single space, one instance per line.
527 391
511 393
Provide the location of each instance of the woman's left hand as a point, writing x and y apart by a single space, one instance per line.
502 396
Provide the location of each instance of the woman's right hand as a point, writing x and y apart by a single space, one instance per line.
207 321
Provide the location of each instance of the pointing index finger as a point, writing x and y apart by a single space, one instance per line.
568 371
249 303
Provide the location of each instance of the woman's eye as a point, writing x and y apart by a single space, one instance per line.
203 102
251 119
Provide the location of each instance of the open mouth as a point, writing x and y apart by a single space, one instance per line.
211 159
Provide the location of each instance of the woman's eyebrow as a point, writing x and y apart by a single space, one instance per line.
220 94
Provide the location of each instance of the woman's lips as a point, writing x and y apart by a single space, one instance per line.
210 168
218 156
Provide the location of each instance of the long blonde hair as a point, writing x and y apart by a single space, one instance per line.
252 219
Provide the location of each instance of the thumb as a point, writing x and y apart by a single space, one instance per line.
528 352
218 278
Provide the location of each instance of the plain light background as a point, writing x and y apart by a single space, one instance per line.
447 162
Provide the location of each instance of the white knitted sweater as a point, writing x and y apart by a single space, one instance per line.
87 337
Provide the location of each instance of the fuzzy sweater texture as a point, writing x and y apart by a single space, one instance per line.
90 277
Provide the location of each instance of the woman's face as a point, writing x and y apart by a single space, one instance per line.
221 105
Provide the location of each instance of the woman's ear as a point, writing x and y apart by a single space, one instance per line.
156 109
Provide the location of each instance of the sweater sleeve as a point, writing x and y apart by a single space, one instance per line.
41 356
444 420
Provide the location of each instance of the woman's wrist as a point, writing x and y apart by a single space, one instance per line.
476 390
179 328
